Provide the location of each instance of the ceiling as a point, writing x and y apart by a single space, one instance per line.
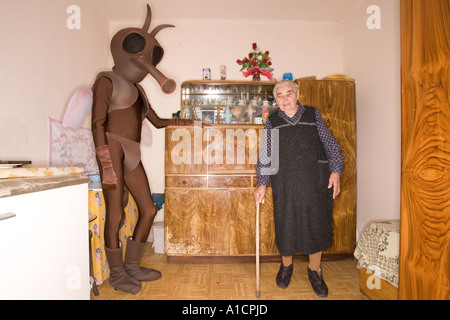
303 10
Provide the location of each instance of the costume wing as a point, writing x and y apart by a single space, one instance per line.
81 104
78 108
146 134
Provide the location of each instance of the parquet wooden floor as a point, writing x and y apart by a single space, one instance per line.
236 282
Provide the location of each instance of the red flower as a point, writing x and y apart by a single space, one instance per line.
245 60
265 60
254 62
238 61
270 63
254 46
250 55
266 53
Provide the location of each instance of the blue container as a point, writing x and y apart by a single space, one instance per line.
95 181
158 199
287 76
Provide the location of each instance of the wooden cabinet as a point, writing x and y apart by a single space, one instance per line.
209 204
335 99
210 179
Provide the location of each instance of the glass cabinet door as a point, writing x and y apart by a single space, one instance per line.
228 102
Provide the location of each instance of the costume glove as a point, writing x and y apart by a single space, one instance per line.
109 178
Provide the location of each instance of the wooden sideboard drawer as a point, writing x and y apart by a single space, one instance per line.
186 181
229 182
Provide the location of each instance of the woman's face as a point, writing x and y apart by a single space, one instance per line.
286 98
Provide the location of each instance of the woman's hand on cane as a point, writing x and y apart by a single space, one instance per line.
259 193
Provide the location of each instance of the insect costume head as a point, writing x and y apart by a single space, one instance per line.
136 54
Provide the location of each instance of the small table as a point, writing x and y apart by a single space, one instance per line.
378 250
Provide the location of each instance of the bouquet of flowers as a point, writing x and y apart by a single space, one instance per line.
256 63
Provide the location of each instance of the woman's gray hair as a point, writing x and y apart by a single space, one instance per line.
283 83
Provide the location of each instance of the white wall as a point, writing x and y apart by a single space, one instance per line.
42 63
372 57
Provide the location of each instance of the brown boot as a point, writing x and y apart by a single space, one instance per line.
118 278
132 262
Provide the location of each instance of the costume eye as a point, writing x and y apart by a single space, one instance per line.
133 43
157 55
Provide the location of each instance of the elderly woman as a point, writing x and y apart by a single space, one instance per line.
305 176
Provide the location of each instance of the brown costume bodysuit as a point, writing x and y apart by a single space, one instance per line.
120 129
119 107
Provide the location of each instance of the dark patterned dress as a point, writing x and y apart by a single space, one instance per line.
303 204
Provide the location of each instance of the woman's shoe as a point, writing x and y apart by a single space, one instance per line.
317 283
284 276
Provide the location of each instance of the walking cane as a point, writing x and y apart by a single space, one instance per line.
258 293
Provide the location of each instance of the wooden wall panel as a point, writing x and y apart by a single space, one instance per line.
336 102
425 185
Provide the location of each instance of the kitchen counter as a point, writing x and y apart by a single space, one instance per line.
26 183
44 234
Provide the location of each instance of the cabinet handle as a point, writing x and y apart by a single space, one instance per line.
7 215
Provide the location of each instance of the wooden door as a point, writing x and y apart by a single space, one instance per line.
425 183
